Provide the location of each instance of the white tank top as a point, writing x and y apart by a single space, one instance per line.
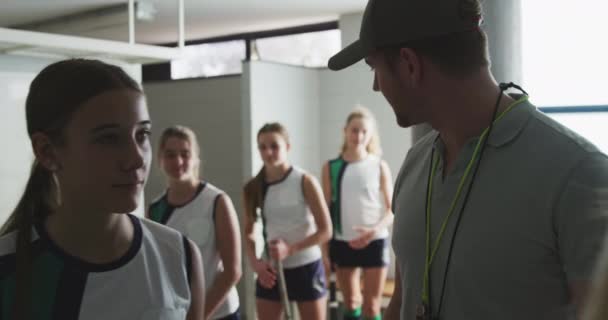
196 220
288 217
361 198
149 282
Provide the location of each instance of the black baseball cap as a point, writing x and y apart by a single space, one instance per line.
394 22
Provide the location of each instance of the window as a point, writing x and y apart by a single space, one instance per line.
209 60
591 125
308 46
565 63
565 54
311 49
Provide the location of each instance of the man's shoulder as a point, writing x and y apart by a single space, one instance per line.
562 139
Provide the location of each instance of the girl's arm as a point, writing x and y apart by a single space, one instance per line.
197 285
228 243
326 184
386 186
265 271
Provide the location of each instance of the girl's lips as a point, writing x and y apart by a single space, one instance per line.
128 184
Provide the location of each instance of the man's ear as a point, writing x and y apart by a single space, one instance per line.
411 66
45 152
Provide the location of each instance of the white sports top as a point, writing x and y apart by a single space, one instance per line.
149 282
288 217
196 220
361 198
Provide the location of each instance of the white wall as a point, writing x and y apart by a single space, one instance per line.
289 95
503 26
16 74
212 108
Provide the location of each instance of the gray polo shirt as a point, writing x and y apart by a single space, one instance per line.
534 221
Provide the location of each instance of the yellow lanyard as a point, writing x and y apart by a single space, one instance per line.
431 252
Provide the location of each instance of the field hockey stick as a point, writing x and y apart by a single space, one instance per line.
283 290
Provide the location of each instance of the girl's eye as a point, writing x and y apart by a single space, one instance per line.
143 135
108 138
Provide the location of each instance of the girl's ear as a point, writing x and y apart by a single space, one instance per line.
45 151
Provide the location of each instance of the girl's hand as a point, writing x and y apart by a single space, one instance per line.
279 249
267 276
366 235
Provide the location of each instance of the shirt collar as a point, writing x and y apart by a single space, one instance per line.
507 128
512 123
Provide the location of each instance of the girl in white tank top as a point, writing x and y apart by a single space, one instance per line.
201 212
295 223
358 188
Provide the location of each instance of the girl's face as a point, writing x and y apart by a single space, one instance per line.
358 132
273 149
104 159
177 160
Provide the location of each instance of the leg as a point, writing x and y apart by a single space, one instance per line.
313 310
269 309
374 279
348 281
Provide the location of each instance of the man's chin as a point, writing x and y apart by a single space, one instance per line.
404 122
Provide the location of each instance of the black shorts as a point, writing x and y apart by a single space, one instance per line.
375 255
305 283
233 316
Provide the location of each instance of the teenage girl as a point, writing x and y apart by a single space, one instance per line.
203 213
71 249
295 222
357 187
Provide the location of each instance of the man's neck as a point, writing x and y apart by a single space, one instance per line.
464 110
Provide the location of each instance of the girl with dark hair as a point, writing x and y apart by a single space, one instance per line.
295 222
203 213
71 249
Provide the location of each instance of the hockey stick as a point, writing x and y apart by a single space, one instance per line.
283 290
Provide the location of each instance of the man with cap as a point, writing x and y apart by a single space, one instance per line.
500 211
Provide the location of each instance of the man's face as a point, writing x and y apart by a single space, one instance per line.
394 80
